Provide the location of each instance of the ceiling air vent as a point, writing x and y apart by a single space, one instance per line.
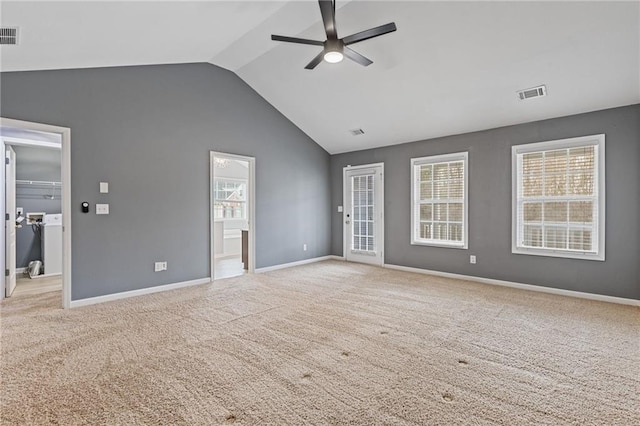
8 35
356 132
534 92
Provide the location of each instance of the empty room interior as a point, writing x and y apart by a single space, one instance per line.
320 212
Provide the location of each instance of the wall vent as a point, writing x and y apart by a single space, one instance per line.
8 35
356 132
534 92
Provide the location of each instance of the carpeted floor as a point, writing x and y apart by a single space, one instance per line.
326 343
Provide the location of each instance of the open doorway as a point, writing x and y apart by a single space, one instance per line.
38 211
232 212
35 200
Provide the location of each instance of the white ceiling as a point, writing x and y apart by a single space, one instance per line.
452 67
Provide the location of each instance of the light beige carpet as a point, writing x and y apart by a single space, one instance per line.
327 343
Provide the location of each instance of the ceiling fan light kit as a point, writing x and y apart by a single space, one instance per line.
333 57
334 48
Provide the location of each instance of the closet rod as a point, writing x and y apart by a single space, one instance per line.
37 182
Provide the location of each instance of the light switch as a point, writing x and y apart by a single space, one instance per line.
104 187
102 208
339 209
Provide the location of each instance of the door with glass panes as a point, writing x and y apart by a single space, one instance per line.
363 214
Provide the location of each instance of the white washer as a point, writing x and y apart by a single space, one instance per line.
52 243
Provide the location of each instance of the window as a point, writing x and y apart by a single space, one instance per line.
230 199
558 198
439 200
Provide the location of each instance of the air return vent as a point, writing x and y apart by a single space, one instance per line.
534 92
356 132
8 35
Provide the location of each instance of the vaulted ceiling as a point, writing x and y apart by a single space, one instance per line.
452 67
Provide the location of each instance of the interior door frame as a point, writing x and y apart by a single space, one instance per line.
65 134
10 220
344 203
251 198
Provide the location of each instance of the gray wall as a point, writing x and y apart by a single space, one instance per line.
490 205
148 132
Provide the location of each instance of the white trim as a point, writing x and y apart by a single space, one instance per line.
434 159
251 199
65 134
528 287
298 263
45 276
598 141
21 270
11 140
135 293
363 167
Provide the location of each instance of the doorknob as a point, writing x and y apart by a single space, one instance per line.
347 222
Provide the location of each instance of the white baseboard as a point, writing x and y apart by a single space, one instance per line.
133 293
22 271
298 263
58 274
529 287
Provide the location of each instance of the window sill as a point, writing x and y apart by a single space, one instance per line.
559 253
441 245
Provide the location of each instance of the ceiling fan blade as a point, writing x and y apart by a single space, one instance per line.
297 40
370 33
315 61
328 11
355 56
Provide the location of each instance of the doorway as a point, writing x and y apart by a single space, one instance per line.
232 215
36 201
36 191
364 213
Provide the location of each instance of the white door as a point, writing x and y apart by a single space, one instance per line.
10 222
363 214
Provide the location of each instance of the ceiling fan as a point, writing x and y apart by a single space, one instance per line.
336 48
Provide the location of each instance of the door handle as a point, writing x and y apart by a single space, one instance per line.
347 222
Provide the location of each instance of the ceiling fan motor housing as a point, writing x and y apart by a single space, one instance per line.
334 46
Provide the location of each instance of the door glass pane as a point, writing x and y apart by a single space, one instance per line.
362 199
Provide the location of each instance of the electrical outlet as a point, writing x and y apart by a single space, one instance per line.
20 211
164 266
159 266
304 247
472 259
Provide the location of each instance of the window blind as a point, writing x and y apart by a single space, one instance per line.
440 200
558 200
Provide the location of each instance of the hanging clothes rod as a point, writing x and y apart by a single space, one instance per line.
38 182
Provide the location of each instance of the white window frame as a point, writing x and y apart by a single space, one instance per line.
598 142
243 202
415 188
